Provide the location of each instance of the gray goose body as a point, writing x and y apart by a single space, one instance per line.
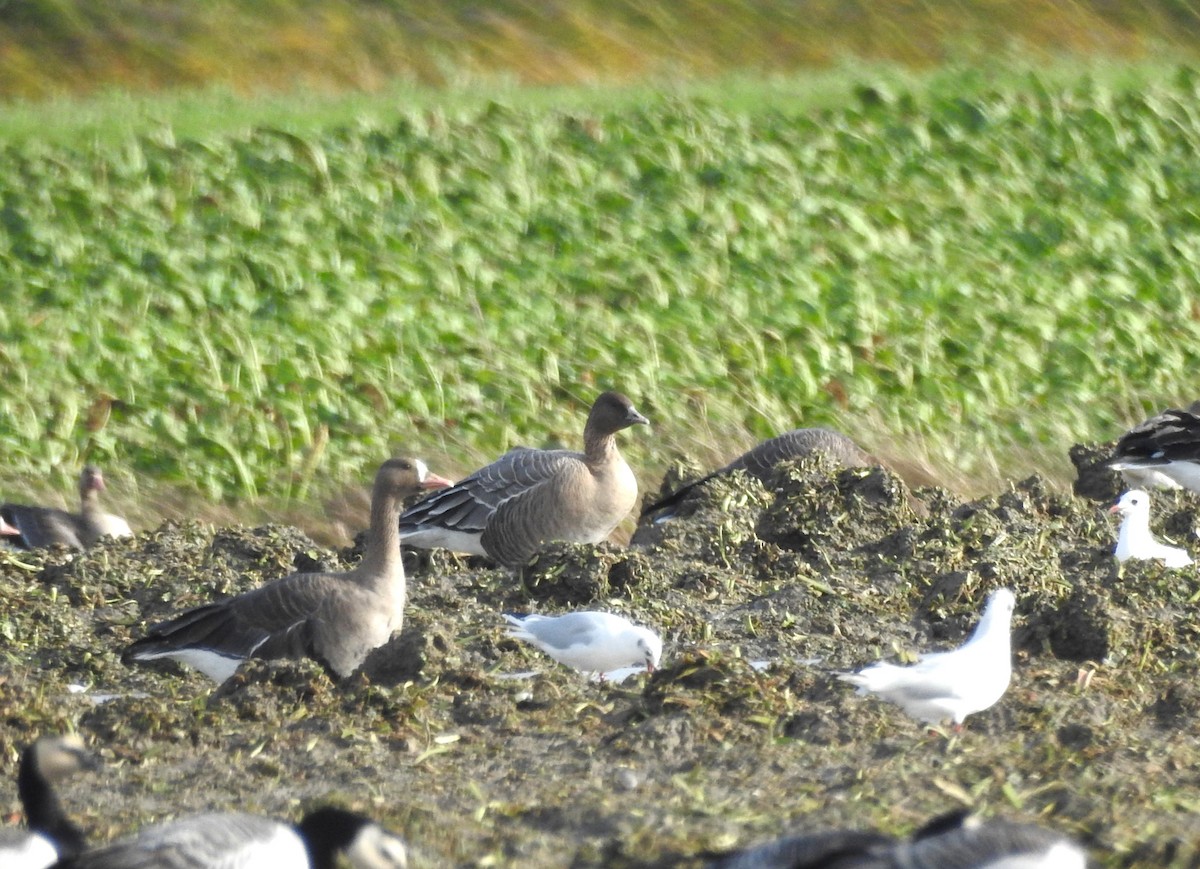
948 842
236 840
38 527
335 618
507 510
1163 450
760 461
49 834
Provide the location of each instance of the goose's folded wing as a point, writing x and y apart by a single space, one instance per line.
43 526
1170 436
212 841
469 504
270 622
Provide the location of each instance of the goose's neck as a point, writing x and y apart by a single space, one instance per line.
600 449
381 564
89 502
43 811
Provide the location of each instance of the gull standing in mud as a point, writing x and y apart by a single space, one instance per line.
594 642
951 684
1134 539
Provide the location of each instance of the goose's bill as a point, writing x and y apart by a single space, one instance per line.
7 530
433 481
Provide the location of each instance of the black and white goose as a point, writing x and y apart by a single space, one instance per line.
49 834
762 459
235 840
1163 450
952 841
37 527
335 618
526 498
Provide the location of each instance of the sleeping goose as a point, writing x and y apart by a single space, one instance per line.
762 459
529 497
50 833
1164 447
37 527
951 684
952 841
235 840
335 618
1135 540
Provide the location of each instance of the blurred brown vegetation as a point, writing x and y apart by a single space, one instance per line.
50 47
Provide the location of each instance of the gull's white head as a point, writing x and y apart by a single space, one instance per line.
647 648
1131 503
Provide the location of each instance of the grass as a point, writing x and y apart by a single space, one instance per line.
53 47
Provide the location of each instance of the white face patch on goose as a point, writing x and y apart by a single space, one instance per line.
422 470
376 848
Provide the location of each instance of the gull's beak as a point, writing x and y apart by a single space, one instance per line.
1115 508
649 665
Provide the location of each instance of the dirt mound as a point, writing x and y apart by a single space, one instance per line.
762 593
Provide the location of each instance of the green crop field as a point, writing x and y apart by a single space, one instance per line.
967 283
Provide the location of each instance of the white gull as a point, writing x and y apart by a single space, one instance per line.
594 642
951 684
1134 539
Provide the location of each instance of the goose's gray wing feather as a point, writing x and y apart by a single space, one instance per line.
838 849
275 621
43 526
211 841
760 461
468 505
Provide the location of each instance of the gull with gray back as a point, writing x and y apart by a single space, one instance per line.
38 527
49 834
335 618
526 498
594 642
235 840
954 684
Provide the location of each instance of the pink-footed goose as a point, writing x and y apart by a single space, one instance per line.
526 498
334 618
37 527
762 459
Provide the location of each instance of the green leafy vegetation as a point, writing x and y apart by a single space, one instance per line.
983 279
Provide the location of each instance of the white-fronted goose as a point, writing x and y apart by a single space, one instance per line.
335 618
1164 446
951 684
235 840
1135 540
760 461
37 527
510 508
952 841
594 642
49 835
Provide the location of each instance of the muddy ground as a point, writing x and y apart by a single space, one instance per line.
823 569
